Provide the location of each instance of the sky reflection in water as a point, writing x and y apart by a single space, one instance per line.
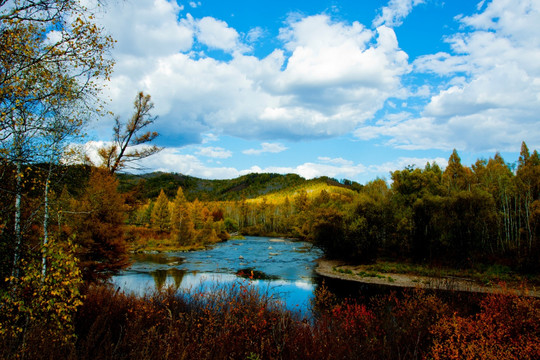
288 265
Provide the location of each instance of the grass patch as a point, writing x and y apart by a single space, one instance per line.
238 237
369 274
480 273
343 271
142 240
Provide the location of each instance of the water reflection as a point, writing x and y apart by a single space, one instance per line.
174 274
279 268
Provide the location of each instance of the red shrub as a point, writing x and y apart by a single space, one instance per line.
507 327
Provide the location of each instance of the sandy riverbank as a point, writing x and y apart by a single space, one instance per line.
341 270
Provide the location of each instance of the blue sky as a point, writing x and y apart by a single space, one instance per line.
347 89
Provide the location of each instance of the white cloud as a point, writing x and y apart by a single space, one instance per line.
209 137
335 161
172 160
397 10
176 161
215 152
217 34
403 162
266 148
254 34
312 170
146 28
329 76
490 101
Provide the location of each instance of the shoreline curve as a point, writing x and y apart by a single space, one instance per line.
341 270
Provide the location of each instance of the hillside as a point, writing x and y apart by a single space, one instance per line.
248 186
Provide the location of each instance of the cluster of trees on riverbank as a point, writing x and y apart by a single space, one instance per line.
459 216
489 212
185 223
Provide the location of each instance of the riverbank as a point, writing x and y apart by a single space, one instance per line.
365 274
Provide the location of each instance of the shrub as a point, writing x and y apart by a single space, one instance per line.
507 327
37 317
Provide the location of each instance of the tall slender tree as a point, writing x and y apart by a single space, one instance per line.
160 213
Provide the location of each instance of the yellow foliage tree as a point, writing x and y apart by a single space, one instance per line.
182 225
52 63
42 307
160 213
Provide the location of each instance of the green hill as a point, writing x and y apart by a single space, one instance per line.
248 186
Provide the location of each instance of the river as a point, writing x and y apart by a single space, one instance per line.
282 268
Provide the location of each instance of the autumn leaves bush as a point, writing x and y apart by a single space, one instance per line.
37 313
506 327
238 322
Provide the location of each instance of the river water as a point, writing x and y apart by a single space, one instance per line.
282 268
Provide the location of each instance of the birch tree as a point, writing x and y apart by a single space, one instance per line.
53 59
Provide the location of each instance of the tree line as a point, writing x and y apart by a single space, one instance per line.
489 212
486 213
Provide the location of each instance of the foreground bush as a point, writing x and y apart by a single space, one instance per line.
507 327
37 310
237 322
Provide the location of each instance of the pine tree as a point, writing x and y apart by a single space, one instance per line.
160 213
524 156
181 221
455 177
179 209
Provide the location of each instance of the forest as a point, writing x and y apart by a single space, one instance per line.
488 213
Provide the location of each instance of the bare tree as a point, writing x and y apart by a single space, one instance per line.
128 144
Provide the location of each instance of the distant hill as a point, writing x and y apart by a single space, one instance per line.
248 186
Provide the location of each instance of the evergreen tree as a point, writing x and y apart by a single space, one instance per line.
181 221
455 175
179 209
160 213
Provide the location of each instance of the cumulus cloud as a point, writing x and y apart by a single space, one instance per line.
311 170
325 79
490 101
335 161
216 34
266 148
254 34
403 162
150 28
209 137
174 160
397 10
